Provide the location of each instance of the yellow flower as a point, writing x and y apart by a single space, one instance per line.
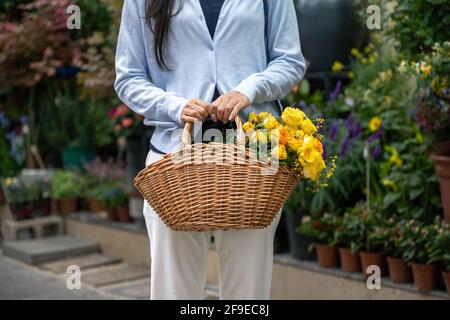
293 117
351 74
295 143
426 70
355 52
375 124
314 169
308 127
389 183
280 135
337 66
419 137
279 152
318 145
262 115
308 152
253 118
386 76
248 126
395 157
270 122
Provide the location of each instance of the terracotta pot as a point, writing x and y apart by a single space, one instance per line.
426 276
67 205
327 255
349 260
123 214
443 148
372 258
399 271
446 276
94 205
112 214
442 167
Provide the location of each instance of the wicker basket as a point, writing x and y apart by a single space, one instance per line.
193 189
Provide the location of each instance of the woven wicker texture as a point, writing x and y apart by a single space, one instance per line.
205 187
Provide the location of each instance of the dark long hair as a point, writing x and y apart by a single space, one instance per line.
158 15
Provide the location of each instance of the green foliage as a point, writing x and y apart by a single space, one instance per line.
439 247
418 24
322 228
112 195
8 166
420 242
96 16
66 121
67 184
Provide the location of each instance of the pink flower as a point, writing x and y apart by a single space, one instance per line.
122 110
112 112
127 122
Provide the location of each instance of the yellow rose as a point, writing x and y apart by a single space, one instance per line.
308 152
279 152
318 145
293 117
295 143
262 115
248 126
375 124
314 169
308 126
270 122
253 118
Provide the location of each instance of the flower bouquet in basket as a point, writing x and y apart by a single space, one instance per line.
240 185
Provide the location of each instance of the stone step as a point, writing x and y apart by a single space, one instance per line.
38 251
85 262
114 274
131 290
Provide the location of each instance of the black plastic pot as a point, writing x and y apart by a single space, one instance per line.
329 29
298 244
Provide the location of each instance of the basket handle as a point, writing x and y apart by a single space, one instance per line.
240 135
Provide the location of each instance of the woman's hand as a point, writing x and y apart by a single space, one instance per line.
195 110
227 107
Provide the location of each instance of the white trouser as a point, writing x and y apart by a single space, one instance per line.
179 259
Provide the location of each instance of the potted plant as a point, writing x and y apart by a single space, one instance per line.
98 174
115 200
374 233
399 270
296 208
17 198
415 246
66 187
350 239
322 229
439 250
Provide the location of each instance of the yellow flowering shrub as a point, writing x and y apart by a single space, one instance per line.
292 139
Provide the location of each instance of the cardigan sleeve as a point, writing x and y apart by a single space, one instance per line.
132 83
287 65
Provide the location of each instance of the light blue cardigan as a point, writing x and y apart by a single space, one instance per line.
235 60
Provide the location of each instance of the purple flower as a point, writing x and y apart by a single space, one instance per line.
344 146
324 155
337 90
334 130
376 135
377 151
356 130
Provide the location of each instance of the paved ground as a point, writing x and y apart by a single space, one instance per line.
20 281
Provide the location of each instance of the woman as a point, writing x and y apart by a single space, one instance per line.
184 61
